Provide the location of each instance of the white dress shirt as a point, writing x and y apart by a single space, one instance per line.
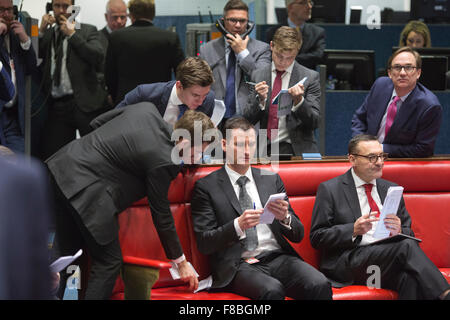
172 109
381 131
266 239
65 86
365 207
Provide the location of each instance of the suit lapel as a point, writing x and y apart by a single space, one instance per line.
219 49
348 186
263 190
225 185
382 189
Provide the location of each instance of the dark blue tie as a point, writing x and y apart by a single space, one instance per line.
183 109
230 97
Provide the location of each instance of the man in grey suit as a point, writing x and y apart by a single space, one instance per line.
129 155
232 58
295 127
74 94
247 257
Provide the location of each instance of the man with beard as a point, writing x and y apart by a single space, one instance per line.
74 94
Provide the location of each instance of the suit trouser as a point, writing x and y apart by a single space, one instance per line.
64 118
404 267
280 275
71 235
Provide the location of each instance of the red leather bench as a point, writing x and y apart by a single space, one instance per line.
427 197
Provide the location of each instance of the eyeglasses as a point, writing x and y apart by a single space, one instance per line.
305 2
235 20
398 68
373 158
7 10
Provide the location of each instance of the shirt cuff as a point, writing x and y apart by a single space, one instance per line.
242 55
26 45
180 259
239 232
288 223
295 108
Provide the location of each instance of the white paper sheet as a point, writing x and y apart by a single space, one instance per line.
393 197
61 263
205 284
218 112
267 216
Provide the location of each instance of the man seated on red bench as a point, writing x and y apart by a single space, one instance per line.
344 220
248 258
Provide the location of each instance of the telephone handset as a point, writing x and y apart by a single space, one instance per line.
221 28
48 7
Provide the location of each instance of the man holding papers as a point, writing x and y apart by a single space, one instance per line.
344 220
291 121
247 257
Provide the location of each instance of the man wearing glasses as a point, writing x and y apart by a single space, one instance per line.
345 217
403 114
233 58
298 12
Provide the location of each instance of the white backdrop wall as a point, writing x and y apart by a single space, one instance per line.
92 11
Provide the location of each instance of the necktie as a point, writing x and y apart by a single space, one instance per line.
372 203
183 109
58 58
230 96
251 240
272 121
392 111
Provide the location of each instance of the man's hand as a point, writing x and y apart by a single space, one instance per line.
187 274
47 21
393 223
364 224
262 90
249 218
279 209
3 27
67 28
297 93
19 30
237 43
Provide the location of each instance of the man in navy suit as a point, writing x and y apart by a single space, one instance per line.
191 90
18 59
24 257
403 114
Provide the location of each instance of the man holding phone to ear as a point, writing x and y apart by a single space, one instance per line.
233 57
71 56
18 59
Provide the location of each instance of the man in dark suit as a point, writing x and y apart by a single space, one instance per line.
18 60
344 220
295 128
71 58
313 47
7 89
248 258
116 18
24 214
191 90
233 58
129 155
403 114
140 53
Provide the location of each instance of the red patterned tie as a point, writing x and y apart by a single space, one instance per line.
372 203
272 122
392 111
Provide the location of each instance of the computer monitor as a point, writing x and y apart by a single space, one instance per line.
353 69
433 74
430 10
330 11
